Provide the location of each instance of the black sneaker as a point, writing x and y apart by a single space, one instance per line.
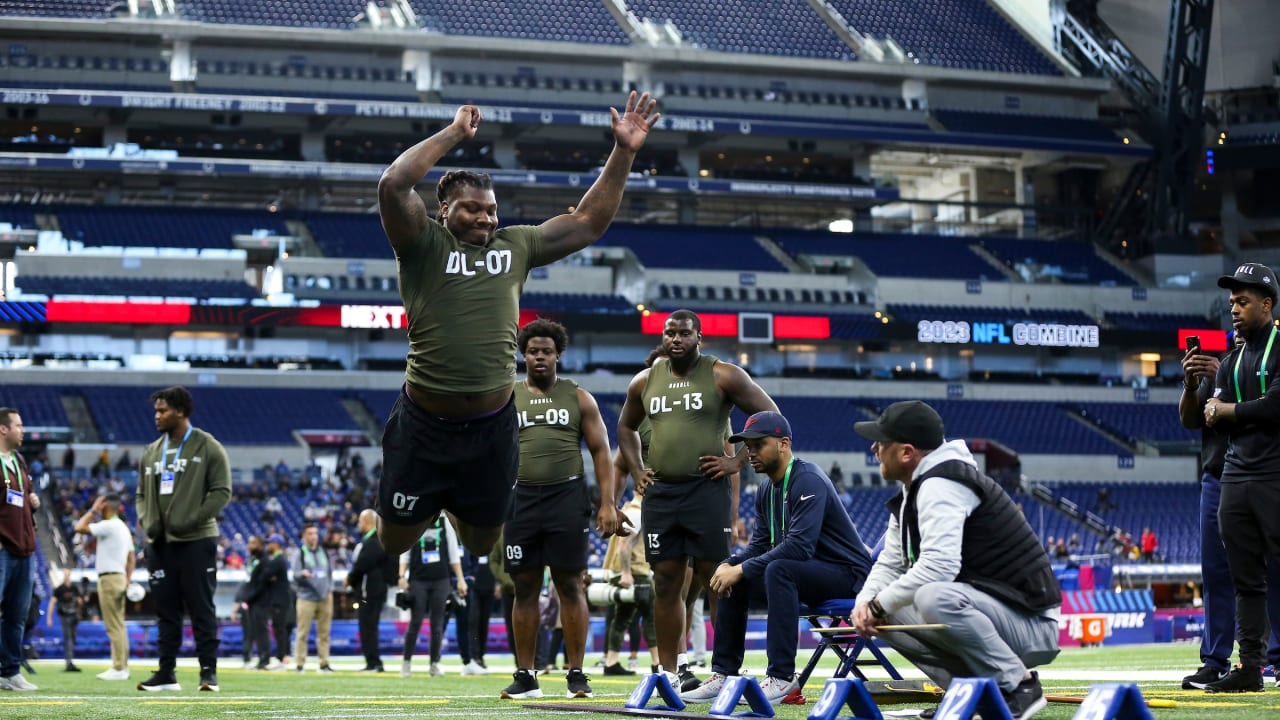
208 680
160 681
1202 677
578 687
524 686
1027 699
617 669
71 667
1239 680
326 669
687 679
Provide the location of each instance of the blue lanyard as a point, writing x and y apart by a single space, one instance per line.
786 487
164 451
1263 370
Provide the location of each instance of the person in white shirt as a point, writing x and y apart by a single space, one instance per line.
115 569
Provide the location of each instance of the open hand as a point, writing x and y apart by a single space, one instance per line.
631 128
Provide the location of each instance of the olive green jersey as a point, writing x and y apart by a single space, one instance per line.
688 417
462 302
550 434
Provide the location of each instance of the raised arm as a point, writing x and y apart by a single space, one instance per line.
597 438
566 234
404 215
82 525
629 429
1195 368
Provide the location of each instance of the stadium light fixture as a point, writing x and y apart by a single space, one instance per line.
1149 357
841 226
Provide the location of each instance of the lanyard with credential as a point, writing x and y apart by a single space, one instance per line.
1263 372
786 486
164 450
16 471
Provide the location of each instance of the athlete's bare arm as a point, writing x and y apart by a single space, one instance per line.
404 215
629 431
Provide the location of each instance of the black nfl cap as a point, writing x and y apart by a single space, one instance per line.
1254 275
911 422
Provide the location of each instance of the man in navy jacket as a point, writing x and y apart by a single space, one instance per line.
804 548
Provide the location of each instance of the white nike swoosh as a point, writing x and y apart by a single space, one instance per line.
805 497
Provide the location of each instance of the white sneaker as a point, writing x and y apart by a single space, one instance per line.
435 670
707 691
114 674
277 666
248 665
406 668
17 683
777 689
474 668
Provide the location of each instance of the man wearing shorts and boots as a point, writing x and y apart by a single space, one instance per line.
687 507
452 442
550 519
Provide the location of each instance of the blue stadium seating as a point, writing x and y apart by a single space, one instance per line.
668 246
261 416
1066 260
582 21
136 287
1139 421
59 8
1023 425
19 216
577 303
163 227
1170 510
931 256
1157 321
994 123
949 33
760 27
39 405
349 235
331 14
855 326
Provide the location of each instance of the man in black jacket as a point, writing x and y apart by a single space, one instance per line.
251 610
959 552
277 598
1246 404
804 548
368 579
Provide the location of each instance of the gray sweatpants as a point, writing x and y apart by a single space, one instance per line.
986 638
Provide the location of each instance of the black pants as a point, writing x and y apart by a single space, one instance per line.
462 630
69 637
368 615
280 627
428 597
1249 518
183 578
259 614
480 602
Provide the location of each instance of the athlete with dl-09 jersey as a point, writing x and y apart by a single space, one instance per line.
451 441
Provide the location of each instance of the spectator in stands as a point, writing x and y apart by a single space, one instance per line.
125 462
69 461
689 508
454 375
65 603
282 473
17 547
179 498
1246 403
1073 545
368 579
550 516
836 474
313 574
804 549
951 521
1218 591
1149 545
115 563
424 577
271 509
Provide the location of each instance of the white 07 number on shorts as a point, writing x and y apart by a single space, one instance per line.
404 502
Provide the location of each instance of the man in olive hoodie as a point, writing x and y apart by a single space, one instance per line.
184 482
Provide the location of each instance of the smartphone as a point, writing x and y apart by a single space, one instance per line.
1193 344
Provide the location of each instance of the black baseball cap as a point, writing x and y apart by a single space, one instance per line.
910 421
764 424
1254 275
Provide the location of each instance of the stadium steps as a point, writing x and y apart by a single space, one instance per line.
48 221
365 419
1075 414
81 419
995 262
307 246
790 263
1142 276
1114 534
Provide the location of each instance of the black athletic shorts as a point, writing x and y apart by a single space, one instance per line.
688 518
431 464
548 526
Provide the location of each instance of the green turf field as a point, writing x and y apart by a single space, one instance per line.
250 695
